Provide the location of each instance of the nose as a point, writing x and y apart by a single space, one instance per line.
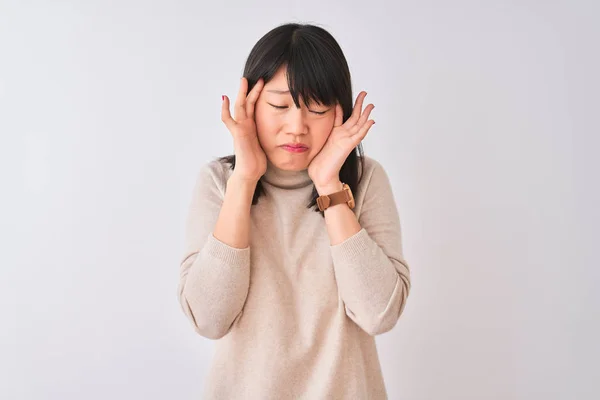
296 123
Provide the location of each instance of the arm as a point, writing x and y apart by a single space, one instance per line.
372 276
215 269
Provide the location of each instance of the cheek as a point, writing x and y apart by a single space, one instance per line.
265 125
322 129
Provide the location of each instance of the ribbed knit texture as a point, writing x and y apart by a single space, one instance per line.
295 317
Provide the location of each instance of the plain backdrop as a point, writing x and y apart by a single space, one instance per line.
487 124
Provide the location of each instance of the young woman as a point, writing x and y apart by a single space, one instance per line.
293 255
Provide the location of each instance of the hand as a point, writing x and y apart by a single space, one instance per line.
324 169
250 158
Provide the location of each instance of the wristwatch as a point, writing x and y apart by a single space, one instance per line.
343 196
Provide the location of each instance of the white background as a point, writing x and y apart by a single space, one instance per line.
486 124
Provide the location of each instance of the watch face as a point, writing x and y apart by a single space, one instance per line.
350 195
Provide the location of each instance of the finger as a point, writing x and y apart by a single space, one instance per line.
357 109
225 114
362 132
253 97
365 115
339 115
240 102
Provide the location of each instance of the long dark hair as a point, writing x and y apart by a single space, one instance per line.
316 71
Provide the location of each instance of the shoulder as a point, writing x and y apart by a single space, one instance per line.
375 191
213 174
373 170
370 163
374 183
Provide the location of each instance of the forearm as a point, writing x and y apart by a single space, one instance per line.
340 220
233 223
373 285
216 284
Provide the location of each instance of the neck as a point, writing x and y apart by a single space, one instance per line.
285 179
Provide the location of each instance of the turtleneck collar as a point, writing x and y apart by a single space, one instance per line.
285 179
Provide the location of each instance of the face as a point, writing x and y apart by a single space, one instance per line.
280 122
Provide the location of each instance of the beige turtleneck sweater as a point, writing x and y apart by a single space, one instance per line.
295 316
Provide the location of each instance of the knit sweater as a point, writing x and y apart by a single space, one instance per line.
295 317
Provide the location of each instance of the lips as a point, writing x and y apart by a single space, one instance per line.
294 148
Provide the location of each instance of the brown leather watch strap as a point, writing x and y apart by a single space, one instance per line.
328 200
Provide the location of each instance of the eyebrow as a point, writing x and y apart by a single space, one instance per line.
278 91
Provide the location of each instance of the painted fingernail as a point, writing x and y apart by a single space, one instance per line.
222 97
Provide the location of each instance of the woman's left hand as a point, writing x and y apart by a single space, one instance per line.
324 169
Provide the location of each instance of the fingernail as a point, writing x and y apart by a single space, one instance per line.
222 97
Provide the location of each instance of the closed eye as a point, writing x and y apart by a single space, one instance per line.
284 107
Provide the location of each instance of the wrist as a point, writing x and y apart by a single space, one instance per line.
329 188
238 180
241 185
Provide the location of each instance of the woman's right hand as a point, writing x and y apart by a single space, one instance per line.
250 158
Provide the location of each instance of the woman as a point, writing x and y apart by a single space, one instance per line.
294 294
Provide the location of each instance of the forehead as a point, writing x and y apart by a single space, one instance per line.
278 81
278 86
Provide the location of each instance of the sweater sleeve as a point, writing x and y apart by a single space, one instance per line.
372 276
214 277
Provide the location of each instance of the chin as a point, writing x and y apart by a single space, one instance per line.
291 163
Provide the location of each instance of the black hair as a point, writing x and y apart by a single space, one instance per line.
317 71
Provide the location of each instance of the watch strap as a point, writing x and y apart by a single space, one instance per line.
329 200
